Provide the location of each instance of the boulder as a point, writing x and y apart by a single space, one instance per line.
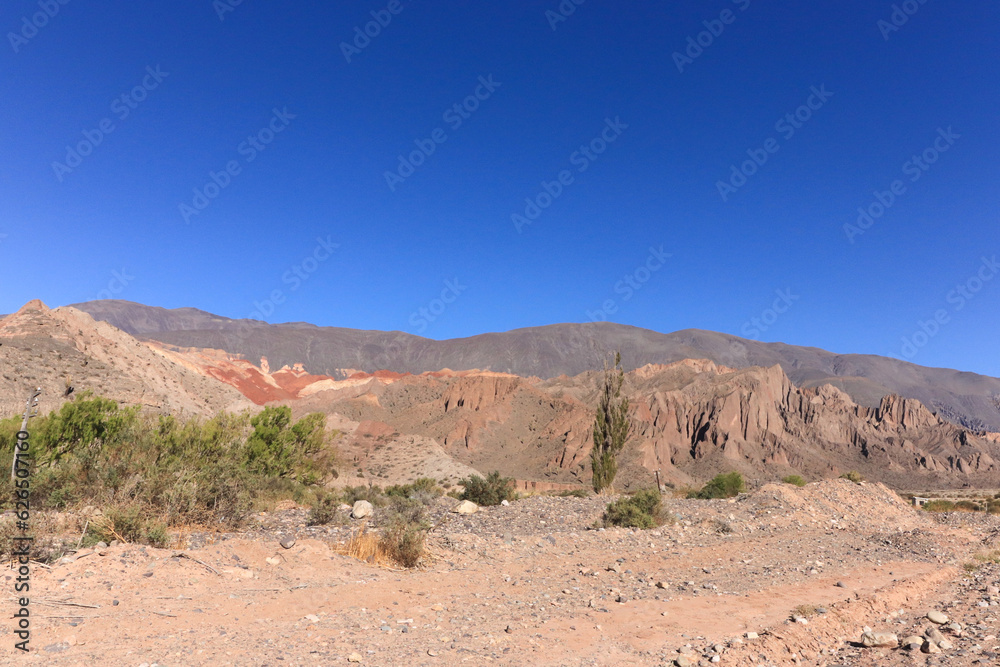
465 507
362 509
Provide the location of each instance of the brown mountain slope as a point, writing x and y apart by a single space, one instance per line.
967 399
691 419
54 349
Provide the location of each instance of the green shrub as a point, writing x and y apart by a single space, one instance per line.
642 509
373 494
324 510
794 480
939 506
967 506
573 493
490 491
854 476
405 531
993 507
149 472
424 489
721 486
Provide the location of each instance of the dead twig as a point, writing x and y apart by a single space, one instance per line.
64 603
162 613
83 534
181 554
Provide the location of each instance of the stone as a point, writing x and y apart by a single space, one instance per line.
354 657
955 627
840 584
505 502
879 639
662 584
287 542
751 635
684 661
933 634
362 509
913 642
930 647
945 645
465 507
935 616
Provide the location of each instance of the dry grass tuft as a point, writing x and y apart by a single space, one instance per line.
366 547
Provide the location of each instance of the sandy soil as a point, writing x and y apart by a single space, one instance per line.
531 584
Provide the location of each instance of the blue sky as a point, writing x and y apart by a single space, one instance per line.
692 165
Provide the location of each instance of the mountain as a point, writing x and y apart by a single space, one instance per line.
64 347
691 420
964 398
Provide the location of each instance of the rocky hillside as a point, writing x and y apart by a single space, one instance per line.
62 348
691 420
967 399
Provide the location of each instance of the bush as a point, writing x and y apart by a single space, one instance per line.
993 507
149 472
939 506
642 509
854 476
490 491
573 493
324 510
721 486
404 533
424 489
967 506
794 480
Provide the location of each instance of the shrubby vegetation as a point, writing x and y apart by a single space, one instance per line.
854 476
642 509
794 480
490 491
148 472
721 486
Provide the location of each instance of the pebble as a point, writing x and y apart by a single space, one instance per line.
287 542
935 616
354 657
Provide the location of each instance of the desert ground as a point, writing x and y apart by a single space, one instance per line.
780 576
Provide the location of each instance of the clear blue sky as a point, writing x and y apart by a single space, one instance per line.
548 88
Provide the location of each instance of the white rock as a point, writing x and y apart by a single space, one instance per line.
362 509
465 507
505 502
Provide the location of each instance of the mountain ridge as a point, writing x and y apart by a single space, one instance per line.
968 399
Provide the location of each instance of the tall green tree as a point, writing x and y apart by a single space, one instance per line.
611 427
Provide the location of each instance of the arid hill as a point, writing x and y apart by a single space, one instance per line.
967 399
62 348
